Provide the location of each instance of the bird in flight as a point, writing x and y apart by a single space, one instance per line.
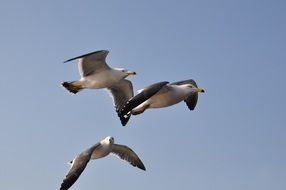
96 74
159 95
99 150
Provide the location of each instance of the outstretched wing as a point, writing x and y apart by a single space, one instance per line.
121 93
77 168
144 95
91 63
191 100
127 154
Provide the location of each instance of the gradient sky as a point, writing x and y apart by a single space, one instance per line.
235 50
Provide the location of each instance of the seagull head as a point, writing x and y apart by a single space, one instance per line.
193 88
109 140
126 72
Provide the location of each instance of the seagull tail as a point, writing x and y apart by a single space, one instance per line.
72 87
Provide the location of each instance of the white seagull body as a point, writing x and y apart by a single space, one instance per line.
161 94
96 74
99 150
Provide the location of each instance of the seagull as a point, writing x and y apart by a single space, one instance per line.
159 95
99 150
96 74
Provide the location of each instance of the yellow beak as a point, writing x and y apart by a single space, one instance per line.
131 73
199 90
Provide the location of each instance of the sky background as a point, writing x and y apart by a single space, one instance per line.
235 50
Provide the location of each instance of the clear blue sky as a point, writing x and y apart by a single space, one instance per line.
235 50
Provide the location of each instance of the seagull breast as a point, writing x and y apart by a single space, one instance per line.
103 79
103 150
167 96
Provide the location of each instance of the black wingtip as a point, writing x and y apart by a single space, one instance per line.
142 167
81 56
124 120
124 112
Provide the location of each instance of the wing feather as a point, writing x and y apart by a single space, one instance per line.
91 63
78 165
77 168
144 95
127 154
121 93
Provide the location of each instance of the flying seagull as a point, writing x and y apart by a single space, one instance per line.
96 74
159 95
99 150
